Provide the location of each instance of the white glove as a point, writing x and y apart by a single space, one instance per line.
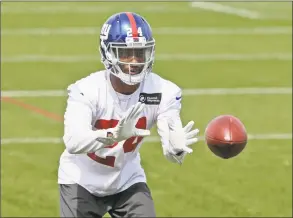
180 139
126 126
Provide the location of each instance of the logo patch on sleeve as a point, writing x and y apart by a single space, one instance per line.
150 98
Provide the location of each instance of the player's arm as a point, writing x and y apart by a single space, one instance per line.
175 138
79 136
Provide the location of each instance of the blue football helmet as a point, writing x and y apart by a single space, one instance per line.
127 47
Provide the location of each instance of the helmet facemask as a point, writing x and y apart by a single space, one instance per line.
130 61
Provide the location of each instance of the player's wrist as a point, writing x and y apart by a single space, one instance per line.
104 136
179 153
111 133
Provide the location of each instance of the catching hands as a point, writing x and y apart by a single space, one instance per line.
126 126
180 139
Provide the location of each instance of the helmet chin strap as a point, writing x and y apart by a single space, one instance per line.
123 77
127 78
120 75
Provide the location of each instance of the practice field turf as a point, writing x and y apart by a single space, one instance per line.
216 57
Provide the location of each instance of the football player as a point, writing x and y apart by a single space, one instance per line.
108 115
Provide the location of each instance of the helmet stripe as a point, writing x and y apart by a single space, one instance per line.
132 23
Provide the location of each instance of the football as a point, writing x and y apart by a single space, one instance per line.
226 136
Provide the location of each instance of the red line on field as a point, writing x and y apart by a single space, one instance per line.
33 108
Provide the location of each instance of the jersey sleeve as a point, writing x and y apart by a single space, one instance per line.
170 106
169 113
79 136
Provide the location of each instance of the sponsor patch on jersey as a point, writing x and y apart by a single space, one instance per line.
150 98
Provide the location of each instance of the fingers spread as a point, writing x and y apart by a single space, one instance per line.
137 109
130 112
192 134
142 132
191 141
189 126
187 149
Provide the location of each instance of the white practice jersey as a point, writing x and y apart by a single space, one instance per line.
93 104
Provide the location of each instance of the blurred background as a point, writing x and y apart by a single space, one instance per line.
229 58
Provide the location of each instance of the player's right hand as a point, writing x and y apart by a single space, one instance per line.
126 126
181 138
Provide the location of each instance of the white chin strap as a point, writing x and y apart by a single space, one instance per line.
130 79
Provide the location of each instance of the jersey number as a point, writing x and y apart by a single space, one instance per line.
128 146
129 32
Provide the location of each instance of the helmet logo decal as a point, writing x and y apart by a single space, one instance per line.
105 31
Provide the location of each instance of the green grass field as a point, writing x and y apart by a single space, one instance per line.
48 45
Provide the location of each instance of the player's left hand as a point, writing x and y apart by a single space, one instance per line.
180 140
126 126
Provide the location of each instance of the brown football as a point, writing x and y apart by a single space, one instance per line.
226 136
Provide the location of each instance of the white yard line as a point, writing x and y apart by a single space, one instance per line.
55 140
216 7
45 31
266 13
238 91
186 92
103 8
25 58
68 9
34 93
